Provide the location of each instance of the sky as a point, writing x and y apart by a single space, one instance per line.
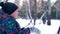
53 1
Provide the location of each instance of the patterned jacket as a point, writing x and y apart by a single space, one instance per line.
8 25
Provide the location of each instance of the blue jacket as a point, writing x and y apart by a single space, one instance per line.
8 25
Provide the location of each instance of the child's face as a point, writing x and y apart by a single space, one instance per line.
15 14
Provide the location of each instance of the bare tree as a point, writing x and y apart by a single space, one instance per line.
17 2
49 13
35 10
6 0
28 9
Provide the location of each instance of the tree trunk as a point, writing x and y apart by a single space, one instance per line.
35 10
49 13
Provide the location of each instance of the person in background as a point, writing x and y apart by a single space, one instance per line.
58 32
8 24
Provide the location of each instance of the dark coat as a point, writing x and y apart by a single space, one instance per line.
8 25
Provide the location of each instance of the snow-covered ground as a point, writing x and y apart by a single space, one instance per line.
44 28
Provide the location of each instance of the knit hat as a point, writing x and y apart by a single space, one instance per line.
8 7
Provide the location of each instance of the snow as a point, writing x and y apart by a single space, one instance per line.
44 28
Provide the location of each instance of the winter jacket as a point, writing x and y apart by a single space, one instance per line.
8 25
